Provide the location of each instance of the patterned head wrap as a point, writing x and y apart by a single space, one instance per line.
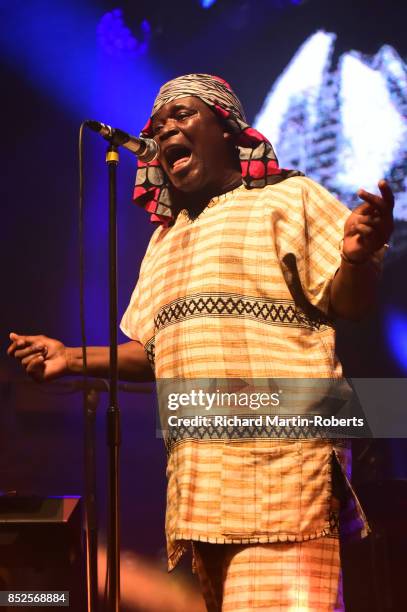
257 158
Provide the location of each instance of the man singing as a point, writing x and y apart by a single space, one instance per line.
243 278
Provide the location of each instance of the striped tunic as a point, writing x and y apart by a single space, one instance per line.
243 292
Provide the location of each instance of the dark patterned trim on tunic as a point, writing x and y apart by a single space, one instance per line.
150 351
334 523
209 431
269 311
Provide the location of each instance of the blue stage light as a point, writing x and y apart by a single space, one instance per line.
207 3
117 39
280 4
397 336
53 45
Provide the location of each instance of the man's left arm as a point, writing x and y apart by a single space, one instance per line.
367 230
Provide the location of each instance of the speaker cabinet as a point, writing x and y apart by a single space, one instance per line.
41 547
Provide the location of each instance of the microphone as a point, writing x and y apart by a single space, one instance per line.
146 149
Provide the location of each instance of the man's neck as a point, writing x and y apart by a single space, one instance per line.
197 201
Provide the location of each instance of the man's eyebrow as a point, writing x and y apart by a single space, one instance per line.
174 109
180 105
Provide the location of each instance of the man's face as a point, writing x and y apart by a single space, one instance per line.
194 147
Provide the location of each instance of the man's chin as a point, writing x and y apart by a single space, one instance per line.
190 182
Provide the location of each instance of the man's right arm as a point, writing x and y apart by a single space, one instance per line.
46 359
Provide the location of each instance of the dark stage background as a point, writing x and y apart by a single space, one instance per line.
64 62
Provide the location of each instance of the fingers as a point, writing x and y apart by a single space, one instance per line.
363 236
16 342
382 204
387 193
358 224
30 350
26 354
363 209
374 202
25 339
374 222
21 343
34 355
35 367
374 213
364 231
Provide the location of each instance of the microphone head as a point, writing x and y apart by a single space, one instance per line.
93 125
101 128
151 151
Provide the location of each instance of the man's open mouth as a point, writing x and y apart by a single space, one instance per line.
177 156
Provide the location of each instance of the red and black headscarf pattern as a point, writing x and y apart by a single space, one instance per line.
257 158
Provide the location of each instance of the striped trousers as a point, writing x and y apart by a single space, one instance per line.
292 577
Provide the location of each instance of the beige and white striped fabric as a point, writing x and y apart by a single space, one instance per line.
212 90
243 292
301 577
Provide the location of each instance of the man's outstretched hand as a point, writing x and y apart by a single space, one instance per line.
43 358
370 225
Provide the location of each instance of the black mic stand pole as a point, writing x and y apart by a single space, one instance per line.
113 413
91 400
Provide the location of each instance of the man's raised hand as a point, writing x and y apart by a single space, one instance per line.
370 225
43 358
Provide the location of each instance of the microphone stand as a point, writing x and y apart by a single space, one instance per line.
91 400
147 148
113 412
